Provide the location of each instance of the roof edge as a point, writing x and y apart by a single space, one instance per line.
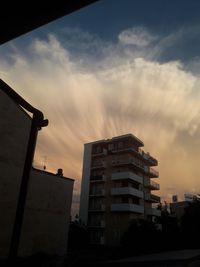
53 174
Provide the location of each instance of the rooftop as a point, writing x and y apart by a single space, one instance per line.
125 136
51 173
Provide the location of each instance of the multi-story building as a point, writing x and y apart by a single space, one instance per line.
177 208
116 187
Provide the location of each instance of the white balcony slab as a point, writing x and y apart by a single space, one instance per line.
126 175
151 184
127 191
120 207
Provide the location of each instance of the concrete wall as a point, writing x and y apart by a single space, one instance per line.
14 133
47 214
48 205
85 184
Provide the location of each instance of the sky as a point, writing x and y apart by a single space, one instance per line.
112 68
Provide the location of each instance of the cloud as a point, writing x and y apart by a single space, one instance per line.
86 100
137 36
182 44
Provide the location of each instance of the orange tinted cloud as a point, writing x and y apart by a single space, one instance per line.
157 102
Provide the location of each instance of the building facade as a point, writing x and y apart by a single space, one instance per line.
190 197
177 209
116 187
47 214
48 204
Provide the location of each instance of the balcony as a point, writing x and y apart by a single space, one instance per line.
97 208
152 198
151 184
98 178
97 240
97 224
154 212
151 172
100 153
129 161
151 161
99 165
126 175
125 149
126 191
102 240
97 192
126 207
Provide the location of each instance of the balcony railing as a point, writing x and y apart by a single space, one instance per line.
97 192
126 175
129 161
97 240
148 158
100 153
154 185
155 198
151 161
153 172
98 178
125 149
99 165
127 191
97 224
96 207
151 184
126 207
102 240
152 198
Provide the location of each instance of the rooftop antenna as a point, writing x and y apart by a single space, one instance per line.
44 166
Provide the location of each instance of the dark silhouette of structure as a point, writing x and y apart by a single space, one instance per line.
20 17
59 172
34 204
37 123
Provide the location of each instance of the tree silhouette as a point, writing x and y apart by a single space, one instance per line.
141 236
190 224
78 237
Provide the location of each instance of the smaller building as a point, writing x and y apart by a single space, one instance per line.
47 214
177 209
191 197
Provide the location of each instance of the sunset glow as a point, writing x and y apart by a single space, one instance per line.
108 89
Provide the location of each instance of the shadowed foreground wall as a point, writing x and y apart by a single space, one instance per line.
47 212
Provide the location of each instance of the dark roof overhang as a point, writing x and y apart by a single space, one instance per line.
20 17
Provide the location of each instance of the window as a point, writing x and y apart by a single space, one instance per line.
120 145
98 149
124 183
110 146
125 200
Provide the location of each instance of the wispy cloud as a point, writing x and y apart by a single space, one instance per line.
138 36
86 100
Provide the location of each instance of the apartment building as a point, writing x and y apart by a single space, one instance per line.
116 187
